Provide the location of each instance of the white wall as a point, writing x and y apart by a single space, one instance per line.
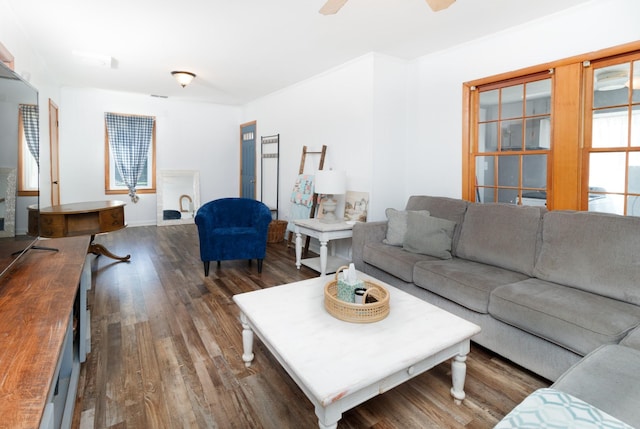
435 139
189 136
389 145
359 111
333 109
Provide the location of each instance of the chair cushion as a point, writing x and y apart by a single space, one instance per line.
575 319
171 214
234 243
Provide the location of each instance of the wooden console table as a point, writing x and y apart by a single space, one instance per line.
45 331
86 218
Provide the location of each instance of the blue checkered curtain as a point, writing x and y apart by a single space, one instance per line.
31 127
129 139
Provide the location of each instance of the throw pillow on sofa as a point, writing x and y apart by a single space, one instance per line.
428 235
397 226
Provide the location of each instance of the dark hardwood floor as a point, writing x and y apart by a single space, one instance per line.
166 351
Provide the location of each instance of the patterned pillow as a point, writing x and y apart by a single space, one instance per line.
550 408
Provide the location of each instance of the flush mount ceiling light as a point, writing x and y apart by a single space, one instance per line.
633 83
92 59
184 78
609 80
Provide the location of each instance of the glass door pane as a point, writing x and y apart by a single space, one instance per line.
513 142
614 148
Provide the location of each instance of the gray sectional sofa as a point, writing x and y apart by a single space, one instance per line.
547 287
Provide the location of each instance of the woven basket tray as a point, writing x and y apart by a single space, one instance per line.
357 313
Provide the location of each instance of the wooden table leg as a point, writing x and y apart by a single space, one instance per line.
458 374
99 249
298 249
247 341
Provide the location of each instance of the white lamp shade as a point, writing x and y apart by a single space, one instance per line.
331 182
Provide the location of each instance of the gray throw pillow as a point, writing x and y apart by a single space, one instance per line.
397 226
428 235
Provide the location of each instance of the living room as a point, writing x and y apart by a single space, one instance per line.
393 124
355 109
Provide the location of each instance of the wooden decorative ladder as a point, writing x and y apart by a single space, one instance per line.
314 206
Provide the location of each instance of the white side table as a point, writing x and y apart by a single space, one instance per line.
324 232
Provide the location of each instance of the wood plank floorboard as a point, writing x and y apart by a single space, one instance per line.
166 351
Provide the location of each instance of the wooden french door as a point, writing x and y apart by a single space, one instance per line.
248 160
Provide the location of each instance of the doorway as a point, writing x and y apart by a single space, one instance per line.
53 150
248 160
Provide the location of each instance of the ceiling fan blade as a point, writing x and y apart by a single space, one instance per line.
331 7
437 5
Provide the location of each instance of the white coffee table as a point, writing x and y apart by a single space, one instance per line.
339 365
324 232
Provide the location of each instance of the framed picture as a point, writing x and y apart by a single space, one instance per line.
356 206
320 208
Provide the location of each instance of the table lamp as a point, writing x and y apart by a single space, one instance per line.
330 183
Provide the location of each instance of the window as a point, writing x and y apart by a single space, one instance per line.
612 137
28 150
129 154
564 134
509 157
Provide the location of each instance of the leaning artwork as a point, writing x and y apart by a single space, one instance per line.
356 205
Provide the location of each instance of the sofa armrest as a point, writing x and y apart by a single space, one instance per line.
364 233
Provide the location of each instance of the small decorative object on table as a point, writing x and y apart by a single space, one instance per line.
374 308
348 284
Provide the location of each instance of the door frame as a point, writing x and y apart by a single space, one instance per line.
255 173
54 155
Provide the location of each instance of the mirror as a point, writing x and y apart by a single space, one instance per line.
178 193
19 131
7 202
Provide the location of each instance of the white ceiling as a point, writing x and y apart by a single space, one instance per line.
244 49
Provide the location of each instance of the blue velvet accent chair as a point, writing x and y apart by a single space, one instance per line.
233 228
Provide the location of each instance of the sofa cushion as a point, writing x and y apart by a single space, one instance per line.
428 235
397 226
464 282
392 259
452 209
575 319
607 378
632 339
595 252
504 235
